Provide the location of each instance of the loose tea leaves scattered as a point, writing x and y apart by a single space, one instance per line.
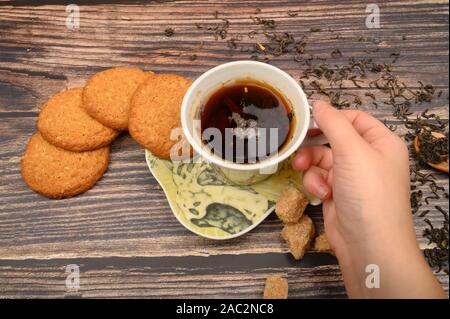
269 23
168 32
438 236
432 149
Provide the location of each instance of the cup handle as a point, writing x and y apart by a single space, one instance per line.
314 140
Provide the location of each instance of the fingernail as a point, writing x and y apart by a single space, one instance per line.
322 191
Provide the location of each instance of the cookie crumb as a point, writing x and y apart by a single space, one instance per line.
276 288
291 205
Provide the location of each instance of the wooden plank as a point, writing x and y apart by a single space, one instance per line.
226 276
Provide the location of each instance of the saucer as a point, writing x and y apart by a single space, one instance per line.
212 207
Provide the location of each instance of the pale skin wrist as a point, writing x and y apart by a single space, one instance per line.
401 267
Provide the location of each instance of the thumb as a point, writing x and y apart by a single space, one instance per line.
336 127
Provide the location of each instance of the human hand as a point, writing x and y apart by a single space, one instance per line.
364 182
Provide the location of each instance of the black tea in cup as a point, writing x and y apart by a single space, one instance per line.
246 121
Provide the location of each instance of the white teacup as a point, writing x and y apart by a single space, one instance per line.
212 80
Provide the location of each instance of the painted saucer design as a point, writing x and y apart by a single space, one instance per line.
212 207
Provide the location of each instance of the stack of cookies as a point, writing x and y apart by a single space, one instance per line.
70 151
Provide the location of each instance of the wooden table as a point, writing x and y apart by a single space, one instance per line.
122 233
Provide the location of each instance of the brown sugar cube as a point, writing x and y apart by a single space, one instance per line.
298 236
291 205
276 288
321 243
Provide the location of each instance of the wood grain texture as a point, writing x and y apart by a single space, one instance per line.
122 232
232 276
